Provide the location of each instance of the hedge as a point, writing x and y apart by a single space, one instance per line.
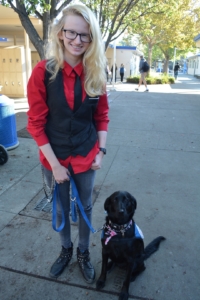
163 79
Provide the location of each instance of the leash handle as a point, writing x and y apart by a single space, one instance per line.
57 198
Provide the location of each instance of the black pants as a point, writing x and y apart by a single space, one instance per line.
122 76
115 77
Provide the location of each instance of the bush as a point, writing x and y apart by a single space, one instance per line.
134 79
150 80
171 80
158 80
162 79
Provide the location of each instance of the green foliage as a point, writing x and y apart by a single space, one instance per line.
156 53
151 80
171 80
157 21
133 79
116 15
171 24
158 80
163 79
30 5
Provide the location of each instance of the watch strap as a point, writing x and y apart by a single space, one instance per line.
102 150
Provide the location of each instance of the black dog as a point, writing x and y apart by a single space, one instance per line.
122 241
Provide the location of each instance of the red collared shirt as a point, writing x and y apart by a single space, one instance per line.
38 111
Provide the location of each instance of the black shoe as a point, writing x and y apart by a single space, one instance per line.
85 266
61 262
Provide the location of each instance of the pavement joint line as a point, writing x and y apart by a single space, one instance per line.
33 217
160 149
20 179
70 284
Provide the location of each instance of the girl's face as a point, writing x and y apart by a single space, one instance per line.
74 49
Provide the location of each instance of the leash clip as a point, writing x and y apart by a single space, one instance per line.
122 232
97 230
49 199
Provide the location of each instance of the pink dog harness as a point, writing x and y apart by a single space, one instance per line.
111 232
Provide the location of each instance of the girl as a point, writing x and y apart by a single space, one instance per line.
68 118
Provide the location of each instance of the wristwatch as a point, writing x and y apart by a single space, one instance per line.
103 150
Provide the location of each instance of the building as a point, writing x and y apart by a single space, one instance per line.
18 55
194 60
128 55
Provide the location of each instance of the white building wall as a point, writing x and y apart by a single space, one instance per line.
123 57
194 65
126 57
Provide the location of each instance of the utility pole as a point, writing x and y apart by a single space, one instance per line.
114 62
174 57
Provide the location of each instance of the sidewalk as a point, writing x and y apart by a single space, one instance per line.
153 151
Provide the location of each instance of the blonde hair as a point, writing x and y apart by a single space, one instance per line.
94 60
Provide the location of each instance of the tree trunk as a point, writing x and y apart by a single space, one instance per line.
46 27
166 63
30 29
150 47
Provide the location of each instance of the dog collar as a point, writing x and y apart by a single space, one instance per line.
112 231
120 228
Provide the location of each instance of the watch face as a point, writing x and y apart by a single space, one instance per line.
103 150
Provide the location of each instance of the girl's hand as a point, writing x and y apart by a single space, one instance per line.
61 174
97 161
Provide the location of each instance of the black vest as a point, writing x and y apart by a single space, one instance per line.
69 132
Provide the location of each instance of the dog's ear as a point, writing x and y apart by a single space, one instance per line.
133 200
107 203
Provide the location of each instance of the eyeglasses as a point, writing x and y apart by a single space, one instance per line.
72 35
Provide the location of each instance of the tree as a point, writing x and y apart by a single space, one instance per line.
173 24
179 34
151 27
45 10
114 16
157 54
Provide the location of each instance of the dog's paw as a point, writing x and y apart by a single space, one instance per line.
123 296
100 284
137 272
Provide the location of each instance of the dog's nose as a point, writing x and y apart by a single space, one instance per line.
121 211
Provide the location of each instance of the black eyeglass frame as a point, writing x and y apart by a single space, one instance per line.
80 34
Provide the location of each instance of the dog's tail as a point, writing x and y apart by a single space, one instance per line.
153 247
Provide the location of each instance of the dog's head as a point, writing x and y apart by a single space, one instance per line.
120 207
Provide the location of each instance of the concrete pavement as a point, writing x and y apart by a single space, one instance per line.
153 151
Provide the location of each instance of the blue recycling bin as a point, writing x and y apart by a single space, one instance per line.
8 132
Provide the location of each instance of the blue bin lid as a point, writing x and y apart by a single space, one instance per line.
5 101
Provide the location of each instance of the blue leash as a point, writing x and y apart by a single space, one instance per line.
75 200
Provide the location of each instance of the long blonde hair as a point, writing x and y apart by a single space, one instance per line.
94 60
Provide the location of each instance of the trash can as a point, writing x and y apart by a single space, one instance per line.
8 132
